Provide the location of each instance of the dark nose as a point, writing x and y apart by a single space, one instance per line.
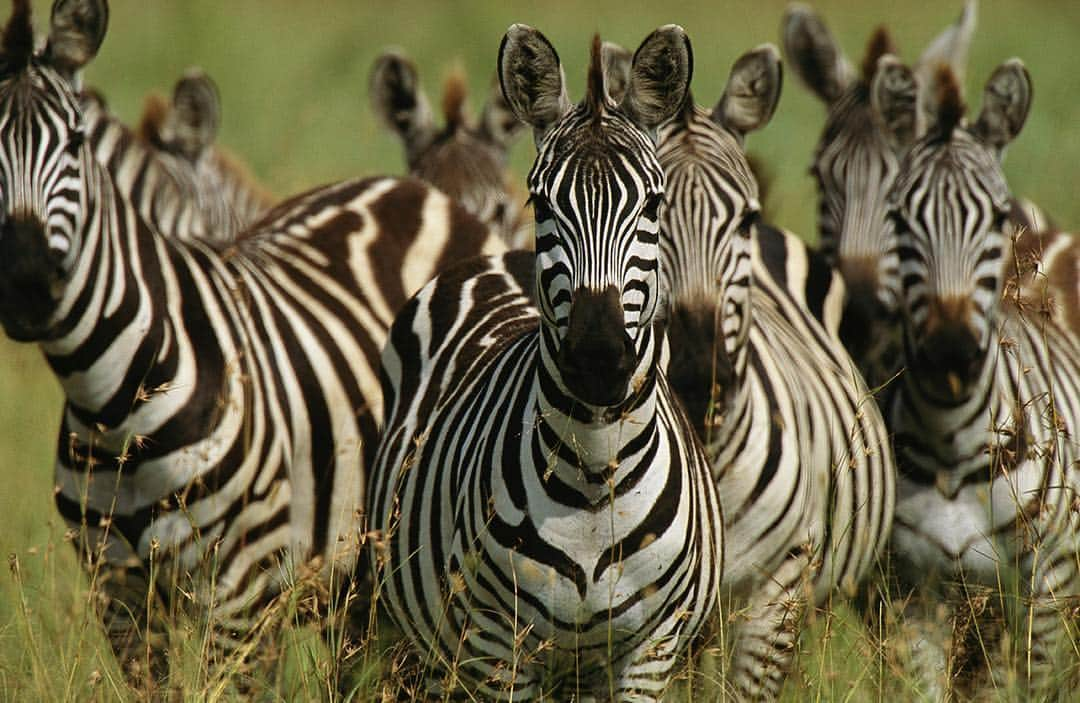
597 358
865 319
700 372
27 274
949 351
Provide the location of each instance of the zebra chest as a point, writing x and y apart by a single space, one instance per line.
584 567
973 529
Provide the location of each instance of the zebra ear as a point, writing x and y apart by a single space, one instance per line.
659 77
532 78
398 102
752 92
192 123
813 54
894 98
950 48
498 123
1006 101
76 30
616 60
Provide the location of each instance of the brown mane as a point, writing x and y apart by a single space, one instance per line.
453 101
18 41
950 103
155 110
595 94
880 44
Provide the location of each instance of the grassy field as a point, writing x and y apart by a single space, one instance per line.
293 82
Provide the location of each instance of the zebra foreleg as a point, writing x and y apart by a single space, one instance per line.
767 630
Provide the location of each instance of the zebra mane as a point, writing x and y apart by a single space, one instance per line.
155 109
18 42
453 101
949 102
880 43
595 94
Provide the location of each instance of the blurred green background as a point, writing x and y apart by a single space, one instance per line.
293 79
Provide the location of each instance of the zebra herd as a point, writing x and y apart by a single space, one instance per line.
562 458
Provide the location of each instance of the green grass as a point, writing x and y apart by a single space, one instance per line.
293 83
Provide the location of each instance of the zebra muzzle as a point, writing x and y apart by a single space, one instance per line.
596 357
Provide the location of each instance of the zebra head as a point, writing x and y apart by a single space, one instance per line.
950 206
43 161
856 161
706 228
597 188
466 160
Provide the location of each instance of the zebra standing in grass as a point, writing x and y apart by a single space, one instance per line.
467 161
985 415
219 407
798 447
550 527
855 164
169 167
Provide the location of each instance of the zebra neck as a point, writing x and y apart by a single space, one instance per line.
112 343
591 449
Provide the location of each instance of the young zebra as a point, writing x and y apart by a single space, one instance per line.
169 167
467 161
798 447
855 164
985 415
550 527
219 407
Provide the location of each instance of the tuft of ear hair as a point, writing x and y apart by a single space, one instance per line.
455 91
18 41
879 45
660 77
76 30
949 103
531 78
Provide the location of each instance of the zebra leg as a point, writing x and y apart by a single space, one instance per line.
767 631
125 600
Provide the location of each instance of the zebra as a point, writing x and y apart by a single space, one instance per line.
170 168
855 163
186 128
985 414
467 161
549 527
220 407
798 446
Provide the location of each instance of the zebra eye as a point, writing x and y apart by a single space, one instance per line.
1000 218
899 224
652 206
541 211
75 141
749 219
